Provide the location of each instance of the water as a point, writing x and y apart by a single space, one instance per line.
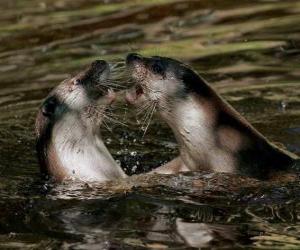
248 50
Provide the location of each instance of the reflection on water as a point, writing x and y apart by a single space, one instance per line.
249 51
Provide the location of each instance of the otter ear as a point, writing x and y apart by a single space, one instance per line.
49 106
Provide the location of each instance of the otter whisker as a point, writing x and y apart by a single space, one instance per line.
118 107
101 88
111 110
152 112
143 108
115 117
119 71
117 65
107 127
119 79
104 84
111 119
148 112
110 84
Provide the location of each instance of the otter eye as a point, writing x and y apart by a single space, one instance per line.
77 82
157 68
49 106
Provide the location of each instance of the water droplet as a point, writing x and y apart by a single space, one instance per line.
134 168
133 153
11 234
45 187
283 105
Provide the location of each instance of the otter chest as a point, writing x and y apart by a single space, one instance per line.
194 131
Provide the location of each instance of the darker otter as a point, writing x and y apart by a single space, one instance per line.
211 133
69 143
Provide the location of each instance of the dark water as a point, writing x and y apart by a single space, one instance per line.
248 50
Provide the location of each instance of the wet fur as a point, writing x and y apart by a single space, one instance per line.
211 133
237 143
69 144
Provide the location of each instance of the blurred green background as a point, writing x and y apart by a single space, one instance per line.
249 50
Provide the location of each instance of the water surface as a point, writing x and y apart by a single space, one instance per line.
248 50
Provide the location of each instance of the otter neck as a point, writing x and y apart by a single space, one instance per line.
192 121
80 151
212 135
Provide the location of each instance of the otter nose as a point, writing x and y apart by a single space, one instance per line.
99 64
133 57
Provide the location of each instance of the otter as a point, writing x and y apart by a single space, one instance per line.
69 144
210 133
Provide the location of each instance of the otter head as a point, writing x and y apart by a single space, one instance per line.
72 111
162 80
80 95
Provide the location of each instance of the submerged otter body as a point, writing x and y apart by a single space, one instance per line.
211 134
69 143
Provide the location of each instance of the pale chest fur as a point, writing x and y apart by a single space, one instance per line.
193 125
82 154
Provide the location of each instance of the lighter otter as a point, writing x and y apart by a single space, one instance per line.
211 134
69 143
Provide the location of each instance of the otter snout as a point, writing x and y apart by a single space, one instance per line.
137 66
99 70
99 65
133 57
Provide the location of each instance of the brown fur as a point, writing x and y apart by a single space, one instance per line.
210 132
230 139
69 143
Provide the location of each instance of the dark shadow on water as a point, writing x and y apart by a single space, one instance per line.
248 51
